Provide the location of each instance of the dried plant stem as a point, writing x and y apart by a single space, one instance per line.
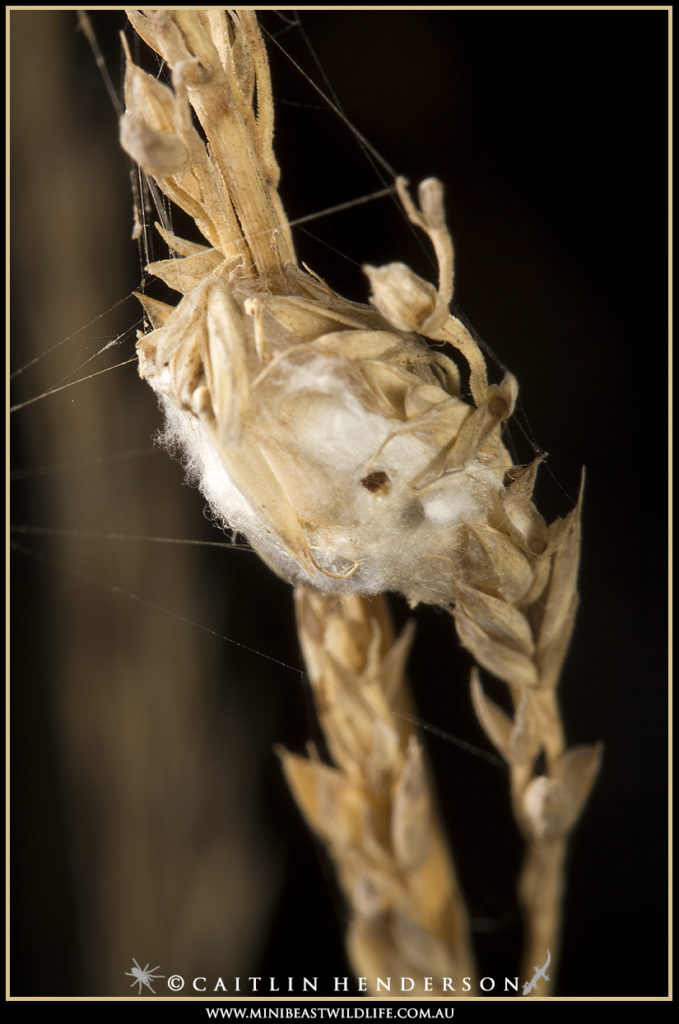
541 889
542 880
374 809
547 802
346 449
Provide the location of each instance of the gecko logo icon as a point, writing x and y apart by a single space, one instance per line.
530 986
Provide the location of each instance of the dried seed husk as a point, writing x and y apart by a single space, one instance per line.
341 444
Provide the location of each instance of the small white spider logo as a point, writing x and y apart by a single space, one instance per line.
143 976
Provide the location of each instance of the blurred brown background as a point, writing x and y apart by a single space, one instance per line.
149 818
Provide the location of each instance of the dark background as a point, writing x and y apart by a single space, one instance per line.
549 130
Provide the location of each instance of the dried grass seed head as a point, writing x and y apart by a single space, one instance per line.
329 433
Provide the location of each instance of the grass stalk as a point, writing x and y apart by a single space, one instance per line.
374 809
346 448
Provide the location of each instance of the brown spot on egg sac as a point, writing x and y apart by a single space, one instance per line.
377 482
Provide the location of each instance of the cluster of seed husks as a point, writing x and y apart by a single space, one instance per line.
345 448
374 810
336 440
